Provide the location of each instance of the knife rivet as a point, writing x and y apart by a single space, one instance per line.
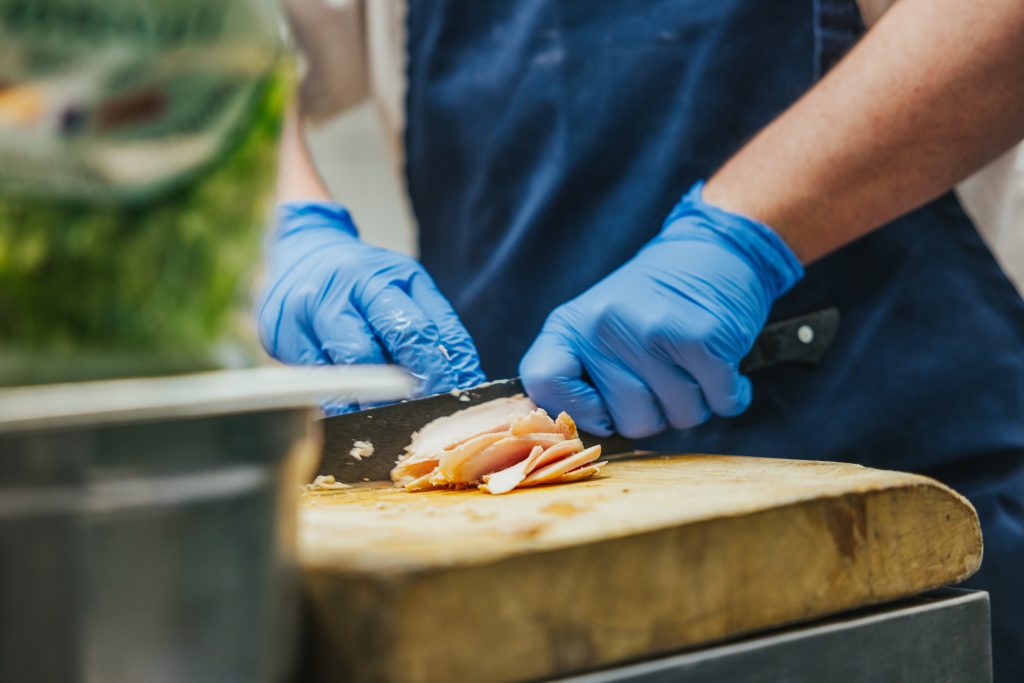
805 334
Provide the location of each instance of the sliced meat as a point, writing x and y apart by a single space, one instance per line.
499 445
409 470
515 477
509 478
451 461
548 473
502 454
421 483
429 444
533 422
492 416
580 473
562 449
566 425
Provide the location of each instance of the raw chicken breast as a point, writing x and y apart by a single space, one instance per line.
499 446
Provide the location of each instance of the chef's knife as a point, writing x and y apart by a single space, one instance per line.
802 340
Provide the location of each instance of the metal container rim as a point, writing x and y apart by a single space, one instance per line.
83 404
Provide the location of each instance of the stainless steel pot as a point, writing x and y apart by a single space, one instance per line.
154 542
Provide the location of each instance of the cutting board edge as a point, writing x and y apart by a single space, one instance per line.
396 568
411 588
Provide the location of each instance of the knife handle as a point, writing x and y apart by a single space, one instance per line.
802 340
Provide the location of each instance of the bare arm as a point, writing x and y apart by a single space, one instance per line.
297 177
933 92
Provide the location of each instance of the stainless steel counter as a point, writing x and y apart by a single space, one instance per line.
940 637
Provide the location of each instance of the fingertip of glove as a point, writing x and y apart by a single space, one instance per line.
740 400
599 428
574 396
638 432
531 371
585 407
552 376
686 421
545 359
746 393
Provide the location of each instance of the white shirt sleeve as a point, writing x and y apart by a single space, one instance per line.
388 62
351 51
994 199
331 39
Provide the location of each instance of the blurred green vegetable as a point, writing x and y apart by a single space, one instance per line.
92 290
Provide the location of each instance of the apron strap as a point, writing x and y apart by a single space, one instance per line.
837 26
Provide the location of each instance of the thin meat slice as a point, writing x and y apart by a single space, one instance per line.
507 479
515 476
413 467
501 454
556 469
533 422
451 430
562 449
566 425
580 473
451 461
408 471
421 484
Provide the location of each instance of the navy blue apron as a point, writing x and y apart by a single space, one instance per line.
547 140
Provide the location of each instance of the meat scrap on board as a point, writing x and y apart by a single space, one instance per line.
498 446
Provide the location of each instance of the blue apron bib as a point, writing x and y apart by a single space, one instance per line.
546 141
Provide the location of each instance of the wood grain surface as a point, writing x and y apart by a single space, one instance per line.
656 555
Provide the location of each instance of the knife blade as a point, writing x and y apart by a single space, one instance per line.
802 340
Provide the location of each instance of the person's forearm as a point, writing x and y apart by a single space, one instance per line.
297 178
931 94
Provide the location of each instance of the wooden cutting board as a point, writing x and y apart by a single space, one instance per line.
657 555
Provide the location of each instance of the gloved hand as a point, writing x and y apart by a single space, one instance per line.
658 342
332 298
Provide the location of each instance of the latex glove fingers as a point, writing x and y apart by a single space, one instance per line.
680 396
302 348
638 402
634 409
412 339
553 377
723 390
727 392
464 361
333 298
662 337
344 336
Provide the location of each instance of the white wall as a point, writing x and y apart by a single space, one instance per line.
353 157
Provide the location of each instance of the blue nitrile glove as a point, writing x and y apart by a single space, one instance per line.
658 342
332 298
